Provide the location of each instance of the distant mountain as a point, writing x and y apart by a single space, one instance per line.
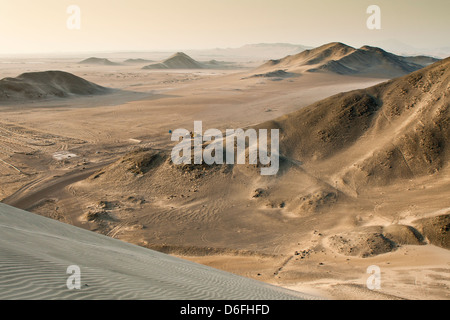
274 75
403 49
47 84
320 55
342 59
250 52
421 60
397 47
138 61
179 60
99 61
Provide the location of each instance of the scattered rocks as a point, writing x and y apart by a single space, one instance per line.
97 215
366 242
143 160
136 200
304 253
315 201
107 205
258 193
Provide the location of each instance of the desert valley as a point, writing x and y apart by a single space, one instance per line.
364 176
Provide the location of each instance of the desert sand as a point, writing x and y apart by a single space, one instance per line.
364 176
36 253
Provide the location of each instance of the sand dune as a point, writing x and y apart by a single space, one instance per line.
35 253
38 85
342 59
179 60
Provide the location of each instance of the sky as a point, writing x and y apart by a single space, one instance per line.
40 26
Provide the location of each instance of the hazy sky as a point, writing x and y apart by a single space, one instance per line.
28 26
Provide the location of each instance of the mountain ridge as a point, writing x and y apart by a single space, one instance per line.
339 58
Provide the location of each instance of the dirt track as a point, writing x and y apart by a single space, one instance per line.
38 190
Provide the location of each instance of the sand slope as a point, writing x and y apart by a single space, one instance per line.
35 253
37 85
